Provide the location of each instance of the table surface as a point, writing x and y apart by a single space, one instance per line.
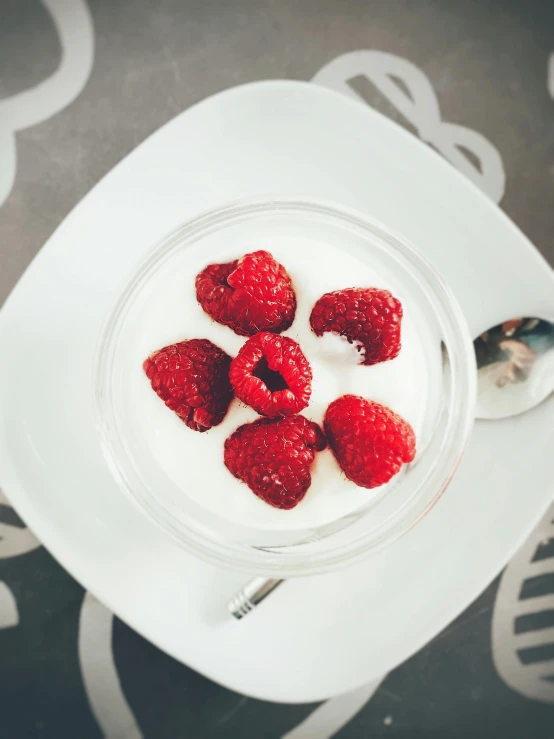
67 667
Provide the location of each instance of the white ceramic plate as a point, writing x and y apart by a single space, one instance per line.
326 635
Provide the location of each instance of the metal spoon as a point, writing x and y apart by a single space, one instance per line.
515 372
515 367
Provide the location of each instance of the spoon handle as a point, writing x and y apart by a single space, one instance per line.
251 595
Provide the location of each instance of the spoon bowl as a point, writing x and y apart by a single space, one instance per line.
515 367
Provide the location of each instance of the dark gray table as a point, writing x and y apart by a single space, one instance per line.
488 63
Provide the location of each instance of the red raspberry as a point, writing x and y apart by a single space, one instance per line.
273 457
252 294
366 316
192 378
271 374
369 441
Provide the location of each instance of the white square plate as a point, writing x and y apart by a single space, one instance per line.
326 635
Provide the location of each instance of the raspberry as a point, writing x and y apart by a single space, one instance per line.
271 374
251 294
367 317
369 441
192 378
273 457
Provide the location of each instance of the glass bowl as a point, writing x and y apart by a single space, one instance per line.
384 517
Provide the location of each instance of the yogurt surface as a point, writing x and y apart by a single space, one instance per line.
194 461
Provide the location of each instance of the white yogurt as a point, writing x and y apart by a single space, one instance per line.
194 461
